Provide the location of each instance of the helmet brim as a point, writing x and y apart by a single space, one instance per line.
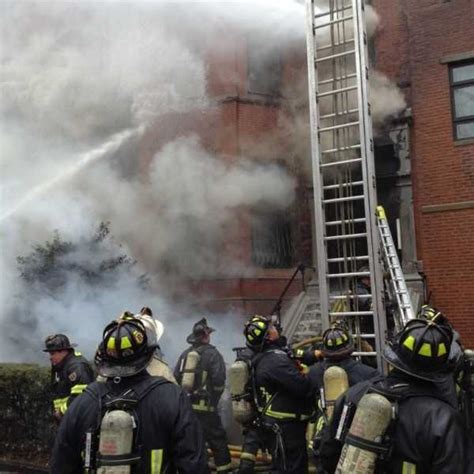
160 329
111 369
341 353
193 338
393 359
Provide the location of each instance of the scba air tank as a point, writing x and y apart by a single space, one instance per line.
189 371
239 376
370 423
116 438
335 384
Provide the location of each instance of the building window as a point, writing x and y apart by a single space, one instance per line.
264 67
461 77
271 241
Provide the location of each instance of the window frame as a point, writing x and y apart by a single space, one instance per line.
272 90
453 86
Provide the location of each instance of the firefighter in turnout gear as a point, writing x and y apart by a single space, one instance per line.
337 348
132 420
282 395
70 373
425 434
201 372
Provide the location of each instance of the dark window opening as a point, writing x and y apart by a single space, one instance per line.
271 241
461 78
264 67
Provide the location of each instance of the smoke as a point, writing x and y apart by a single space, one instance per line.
81 81
81 84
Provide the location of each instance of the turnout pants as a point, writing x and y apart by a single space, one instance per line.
216 438
250 447
287 443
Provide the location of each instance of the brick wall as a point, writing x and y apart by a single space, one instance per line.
239 125
413 39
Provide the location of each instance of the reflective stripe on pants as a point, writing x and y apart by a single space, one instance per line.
156 461
408 468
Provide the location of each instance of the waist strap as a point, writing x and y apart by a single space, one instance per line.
366 445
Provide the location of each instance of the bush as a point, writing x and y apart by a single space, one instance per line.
25 412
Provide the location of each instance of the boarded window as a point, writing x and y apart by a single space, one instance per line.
271 241
462 95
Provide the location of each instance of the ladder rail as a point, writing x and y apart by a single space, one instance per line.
392 262
315 152
368 170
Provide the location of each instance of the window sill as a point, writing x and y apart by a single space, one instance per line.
465 141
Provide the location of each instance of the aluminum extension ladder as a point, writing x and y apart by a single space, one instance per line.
397 285
347 242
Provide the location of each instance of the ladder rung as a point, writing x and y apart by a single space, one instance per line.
336 91
339 114
333 22
348 274
337 78
331 12
338 127
346 221
351 313
335 56
345 148
346 236
335 45
347 259
342 162
351 297
343 185
359 197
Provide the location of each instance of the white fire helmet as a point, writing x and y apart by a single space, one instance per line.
151 324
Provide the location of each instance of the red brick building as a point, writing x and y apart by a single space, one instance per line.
425 160
427 47
251 114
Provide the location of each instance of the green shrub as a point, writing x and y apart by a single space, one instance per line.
25 411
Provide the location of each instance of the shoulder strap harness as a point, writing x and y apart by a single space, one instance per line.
128 400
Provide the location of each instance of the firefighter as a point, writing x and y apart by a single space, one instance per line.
337 347
283 397
166 435
205 381
70 373
425 434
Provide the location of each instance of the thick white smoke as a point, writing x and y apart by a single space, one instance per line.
81 81
82 78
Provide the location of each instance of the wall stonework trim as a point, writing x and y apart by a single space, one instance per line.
453 58
453 206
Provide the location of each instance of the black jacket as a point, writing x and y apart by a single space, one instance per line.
356 372
281 388
165 422
427 432
210 375
69 379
